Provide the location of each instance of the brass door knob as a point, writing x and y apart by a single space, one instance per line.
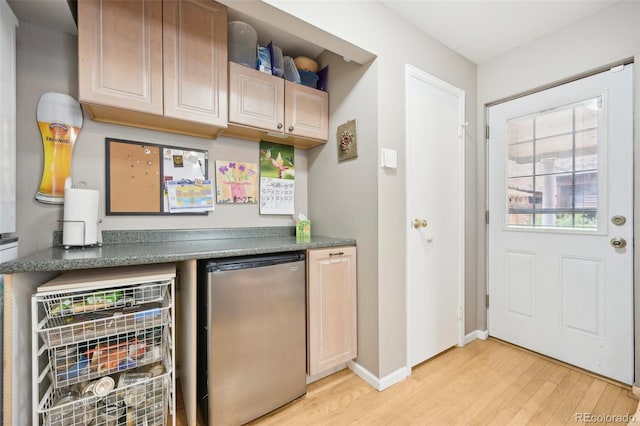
618 220
419 223
618 242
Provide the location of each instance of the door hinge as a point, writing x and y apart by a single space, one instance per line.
486 132
617 68
486 217
487 301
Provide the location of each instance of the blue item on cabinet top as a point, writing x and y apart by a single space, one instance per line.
308 78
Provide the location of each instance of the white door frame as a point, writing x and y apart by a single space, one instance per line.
414 72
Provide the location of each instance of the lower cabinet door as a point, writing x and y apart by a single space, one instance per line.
331 303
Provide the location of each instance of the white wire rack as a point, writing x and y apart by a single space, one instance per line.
138 398
102 355
65 304
84 361
60 331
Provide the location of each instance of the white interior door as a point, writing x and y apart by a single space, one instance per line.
435 215
560 199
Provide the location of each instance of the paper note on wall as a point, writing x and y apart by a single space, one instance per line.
190 196
276 196
277 178
236 182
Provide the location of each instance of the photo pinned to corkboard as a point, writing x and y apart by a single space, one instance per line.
347 141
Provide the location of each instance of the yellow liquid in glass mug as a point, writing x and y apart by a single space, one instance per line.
59 120
57 140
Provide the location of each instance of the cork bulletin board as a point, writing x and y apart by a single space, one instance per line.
136 175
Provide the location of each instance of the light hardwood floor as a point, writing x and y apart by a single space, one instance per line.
486 382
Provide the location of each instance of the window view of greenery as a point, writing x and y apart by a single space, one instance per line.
564 220
552 169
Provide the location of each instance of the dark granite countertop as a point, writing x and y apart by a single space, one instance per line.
123 248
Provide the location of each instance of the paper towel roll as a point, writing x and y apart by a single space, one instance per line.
80 226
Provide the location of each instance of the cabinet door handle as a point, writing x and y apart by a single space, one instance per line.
279 126
340 253
291 128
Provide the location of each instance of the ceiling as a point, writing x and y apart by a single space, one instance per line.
477 29
52 14
481 29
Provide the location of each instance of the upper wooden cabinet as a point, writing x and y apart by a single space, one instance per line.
120 54
195 61
256 99
154 64
265 107
306 111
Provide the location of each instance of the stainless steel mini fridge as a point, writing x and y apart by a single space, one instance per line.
255 336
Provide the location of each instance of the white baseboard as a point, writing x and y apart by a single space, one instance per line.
476 334
378 383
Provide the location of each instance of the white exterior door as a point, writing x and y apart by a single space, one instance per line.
435 215
560 200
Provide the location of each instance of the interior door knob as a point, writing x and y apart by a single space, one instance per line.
618 242
419 223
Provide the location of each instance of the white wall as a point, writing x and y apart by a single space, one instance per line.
47 61
592 42
608 36
370 26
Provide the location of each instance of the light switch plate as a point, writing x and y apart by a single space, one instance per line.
388 158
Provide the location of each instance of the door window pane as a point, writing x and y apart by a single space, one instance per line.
521 193
521 159
587 114
587 150
520 130
555 122
552 173
586 191
554 154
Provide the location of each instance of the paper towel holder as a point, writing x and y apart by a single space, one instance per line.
82 217
84 232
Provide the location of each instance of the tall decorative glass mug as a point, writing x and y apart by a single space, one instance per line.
60 120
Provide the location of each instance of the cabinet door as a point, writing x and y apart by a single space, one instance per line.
331 314
120 54
195 61
256 99
306 111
